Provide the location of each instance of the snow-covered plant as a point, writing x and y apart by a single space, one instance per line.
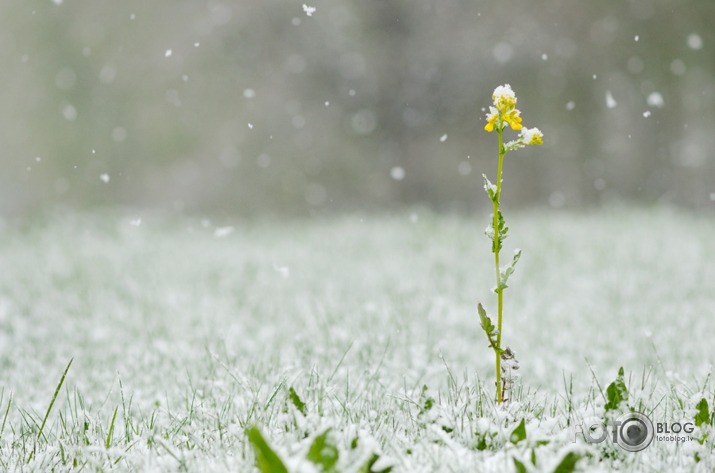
501 115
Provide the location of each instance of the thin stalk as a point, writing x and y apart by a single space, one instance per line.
497 250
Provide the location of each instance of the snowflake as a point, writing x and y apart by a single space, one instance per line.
308 10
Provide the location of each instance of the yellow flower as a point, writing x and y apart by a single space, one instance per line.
532 136
504 112
513 119
492 118
504 98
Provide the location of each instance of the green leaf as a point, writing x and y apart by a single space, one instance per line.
297 402
488 327
323 452
616 392
519 466
267 460
481 441
519 433
703 414
507 271
490 188
568 464
501 227
429 401
485 320
367 466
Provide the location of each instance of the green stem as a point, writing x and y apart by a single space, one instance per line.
497 248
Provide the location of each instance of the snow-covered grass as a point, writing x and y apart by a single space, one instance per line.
184 335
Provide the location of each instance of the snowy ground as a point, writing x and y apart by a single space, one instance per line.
185 334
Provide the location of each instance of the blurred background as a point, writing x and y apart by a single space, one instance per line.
263 107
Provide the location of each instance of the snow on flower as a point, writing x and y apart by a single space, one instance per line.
513 118
532 136
492 117
503 112
504 98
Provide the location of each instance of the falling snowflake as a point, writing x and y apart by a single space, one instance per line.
655 99
443 138
282 270
610 101
397 173
223 232
308 10
69 113
104 177
695 41
168 53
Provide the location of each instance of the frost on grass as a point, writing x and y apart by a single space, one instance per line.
182 341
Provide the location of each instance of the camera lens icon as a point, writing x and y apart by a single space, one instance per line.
635 432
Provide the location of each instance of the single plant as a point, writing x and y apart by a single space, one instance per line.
502 114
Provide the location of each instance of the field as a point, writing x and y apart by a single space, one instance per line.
184 334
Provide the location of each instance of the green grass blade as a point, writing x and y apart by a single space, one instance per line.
108 442
323 452
297 401
568 463
7 412
267 460
519 466
54 398
519 433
